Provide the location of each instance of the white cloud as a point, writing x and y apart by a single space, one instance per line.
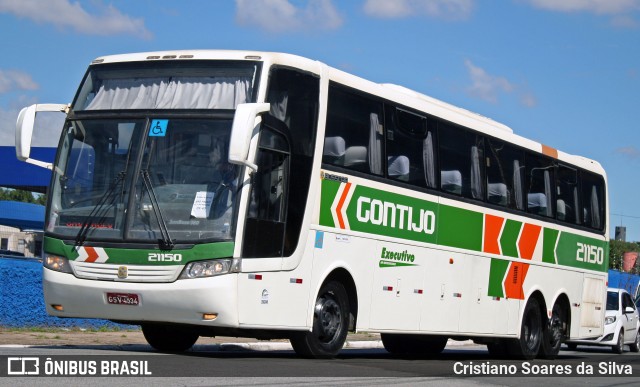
64 14
16 80
610 7
278 16
444 9
488 87
630 151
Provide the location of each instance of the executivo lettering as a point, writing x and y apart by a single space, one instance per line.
396 256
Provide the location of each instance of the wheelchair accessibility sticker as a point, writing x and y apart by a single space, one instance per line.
158 128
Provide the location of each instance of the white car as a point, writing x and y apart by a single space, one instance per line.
621 324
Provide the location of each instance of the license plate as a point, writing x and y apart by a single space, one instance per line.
123 298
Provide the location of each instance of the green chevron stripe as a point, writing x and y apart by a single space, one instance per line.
509 238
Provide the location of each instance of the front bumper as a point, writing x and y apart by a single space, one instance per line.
608 338
182 301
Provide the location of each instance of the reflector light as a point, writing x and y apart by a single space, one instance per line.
418 291
255 276
296 280
209 316
59 308
457 295
387 288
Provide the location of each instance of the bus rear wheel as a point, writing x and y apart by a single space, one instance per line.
330 324
526 347
552 334
413 344
169 338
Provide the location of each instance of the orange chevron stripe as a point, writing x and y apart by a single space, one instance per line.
514 280
492 227
92 255
528 240
345 193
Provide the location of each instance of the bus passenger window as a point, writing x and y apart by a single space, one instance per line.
567 189
540 185
504 175
410 148
461 162
354 132
592 200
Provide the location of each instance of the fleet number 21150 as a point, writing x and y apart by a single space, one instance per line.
590 254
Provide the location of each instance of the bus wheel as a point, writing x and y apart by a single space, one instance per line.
168 338
552 334
330 324
413 344
526 347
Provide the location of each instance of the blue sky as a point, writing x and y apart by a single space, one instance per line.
562 72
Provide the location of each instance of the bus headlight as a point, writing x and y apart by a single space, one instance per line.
609 320
57 263
199 269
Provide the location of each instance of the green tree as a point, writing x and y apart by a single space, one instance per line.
16 195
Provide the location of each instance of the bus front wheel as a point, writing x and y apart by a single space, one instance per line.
168 338
330 324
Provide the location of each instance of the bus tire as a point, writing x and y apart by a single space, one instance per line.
552 334
330 324
168 338
526 347
413 344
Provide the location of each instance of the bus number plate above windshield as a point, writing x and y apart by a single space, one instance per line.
123 298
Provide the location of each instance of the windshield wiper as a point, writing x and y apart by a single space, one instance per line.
165 243
109 197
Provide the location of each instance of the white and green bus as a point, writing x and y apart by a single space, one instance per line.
254 194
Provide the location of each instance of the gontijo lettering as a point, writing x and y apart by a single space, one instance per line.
388 214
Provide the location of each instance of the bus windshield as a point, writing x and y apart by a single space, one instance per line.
144 180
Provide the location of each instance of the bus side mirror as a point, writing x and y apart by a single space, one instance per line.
24 130
244 125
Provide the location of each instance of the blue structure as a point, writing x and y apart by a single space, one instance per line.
20 175
23 301
629 282
25 216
